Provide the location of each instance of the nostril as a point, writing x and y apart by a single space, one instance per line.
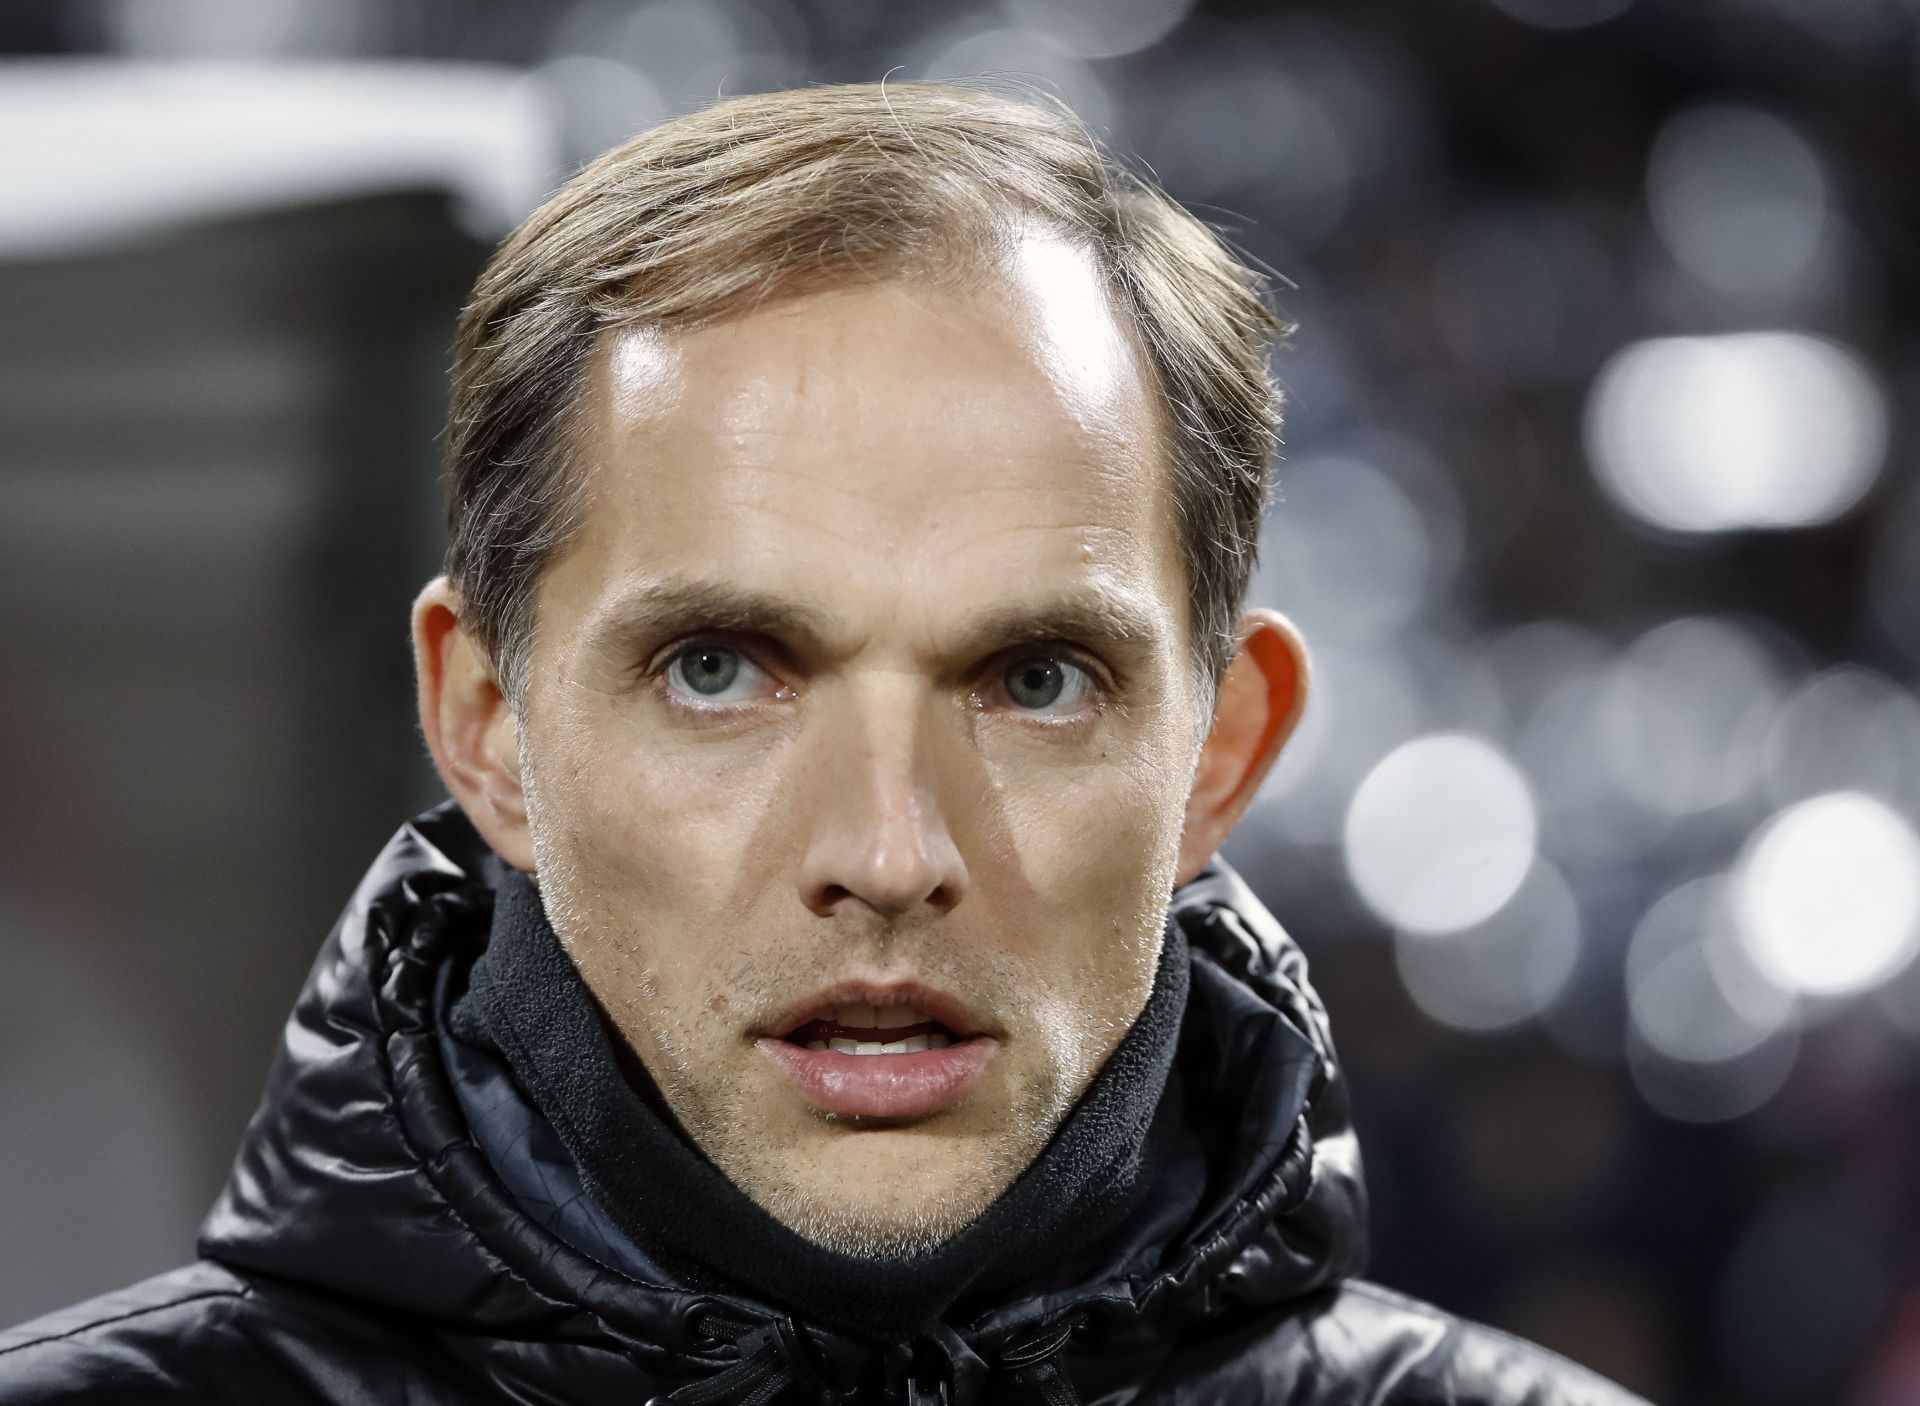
892 874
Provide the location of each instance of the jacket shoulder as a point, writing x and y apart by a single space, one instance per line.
114 1344
1361 1343
1422 1354
200 1334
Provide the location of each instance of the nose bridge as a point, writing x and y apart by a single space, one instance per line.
881 833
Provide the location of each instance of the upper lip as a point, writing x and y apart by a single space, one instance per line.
930 1001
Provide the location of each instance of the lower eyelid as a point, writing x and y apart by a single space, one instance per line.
1094 704
710 712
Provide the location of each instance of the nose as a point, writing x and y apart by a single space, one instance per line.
880 835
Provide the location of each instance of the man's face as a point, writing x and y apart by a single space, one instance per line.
869 666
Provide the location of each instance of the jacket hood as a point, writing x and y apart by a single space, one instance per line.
359 1176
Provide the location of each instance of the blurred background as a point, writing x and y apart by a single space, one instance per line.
1600 509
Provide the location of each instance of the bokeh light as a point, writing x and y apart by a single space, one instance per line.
1023 56
1440 834
1252 124
599 101
1552 675
1897 1001
1692 992
1350 553
1738 196
1684 714
1503 971
1746 430
1828 894
1713 1091
1363 704
689 51
1100 31
1849 728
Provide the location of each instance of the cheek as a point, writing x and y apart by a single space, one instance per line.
646 849
1113 808
1096 847
655 833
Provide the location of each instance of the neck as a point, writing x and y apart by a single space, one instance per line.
526 1001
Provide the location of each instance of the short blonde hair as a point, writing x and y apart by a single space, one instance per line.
706 215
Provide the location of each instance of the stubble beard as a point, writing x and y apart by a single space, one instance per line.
891 1217
715 1110
716 1107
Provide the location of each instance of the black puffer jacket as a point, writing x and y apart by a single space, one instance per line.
367 1251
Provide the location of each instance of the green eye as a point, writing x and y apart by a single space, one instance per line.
1040 683
710 670
706 670
1036 683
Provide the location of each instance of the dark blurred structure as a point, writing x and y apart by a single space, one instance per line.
216 493
1599 509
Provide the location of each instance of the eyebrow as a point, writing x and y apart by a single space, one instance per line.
1105 617
644 614
1099 616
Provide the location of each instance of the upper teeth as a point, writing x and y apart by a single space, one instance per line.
858 1015
913 1044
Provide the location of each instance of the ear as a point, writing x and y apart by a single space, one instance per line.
1260 701
469 728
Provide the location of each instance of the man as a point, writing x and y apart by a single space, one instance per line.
838 670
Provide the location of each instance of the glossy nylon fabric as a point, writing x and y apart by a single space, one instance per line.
365 1251
526 1003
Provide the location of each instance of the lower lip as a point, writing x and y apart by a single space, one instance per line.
882 1086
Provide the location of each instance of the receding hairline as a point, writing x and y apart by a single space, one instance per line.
594 409
759 196
987 267
986 271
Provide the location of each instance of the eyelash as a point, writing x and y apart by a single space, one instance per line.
1097 685
1100 684
657 672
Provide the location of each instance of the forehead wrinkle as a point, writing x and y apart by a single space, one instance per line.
1120 477
1124 541
1063 327
1079 350
841 507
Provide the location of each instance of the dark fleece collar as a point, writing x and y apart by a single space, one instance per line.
526 1001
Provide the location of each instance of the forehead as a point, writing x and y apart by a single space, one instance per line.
892 449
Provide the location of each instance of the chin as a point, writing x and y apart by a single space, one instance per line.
892 1222
878 1192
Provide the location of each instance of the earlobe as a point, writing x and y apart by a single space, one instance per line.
468 725
1260 702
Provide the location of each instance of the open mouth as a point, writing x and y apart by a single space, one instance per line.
916 1055
862 1029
